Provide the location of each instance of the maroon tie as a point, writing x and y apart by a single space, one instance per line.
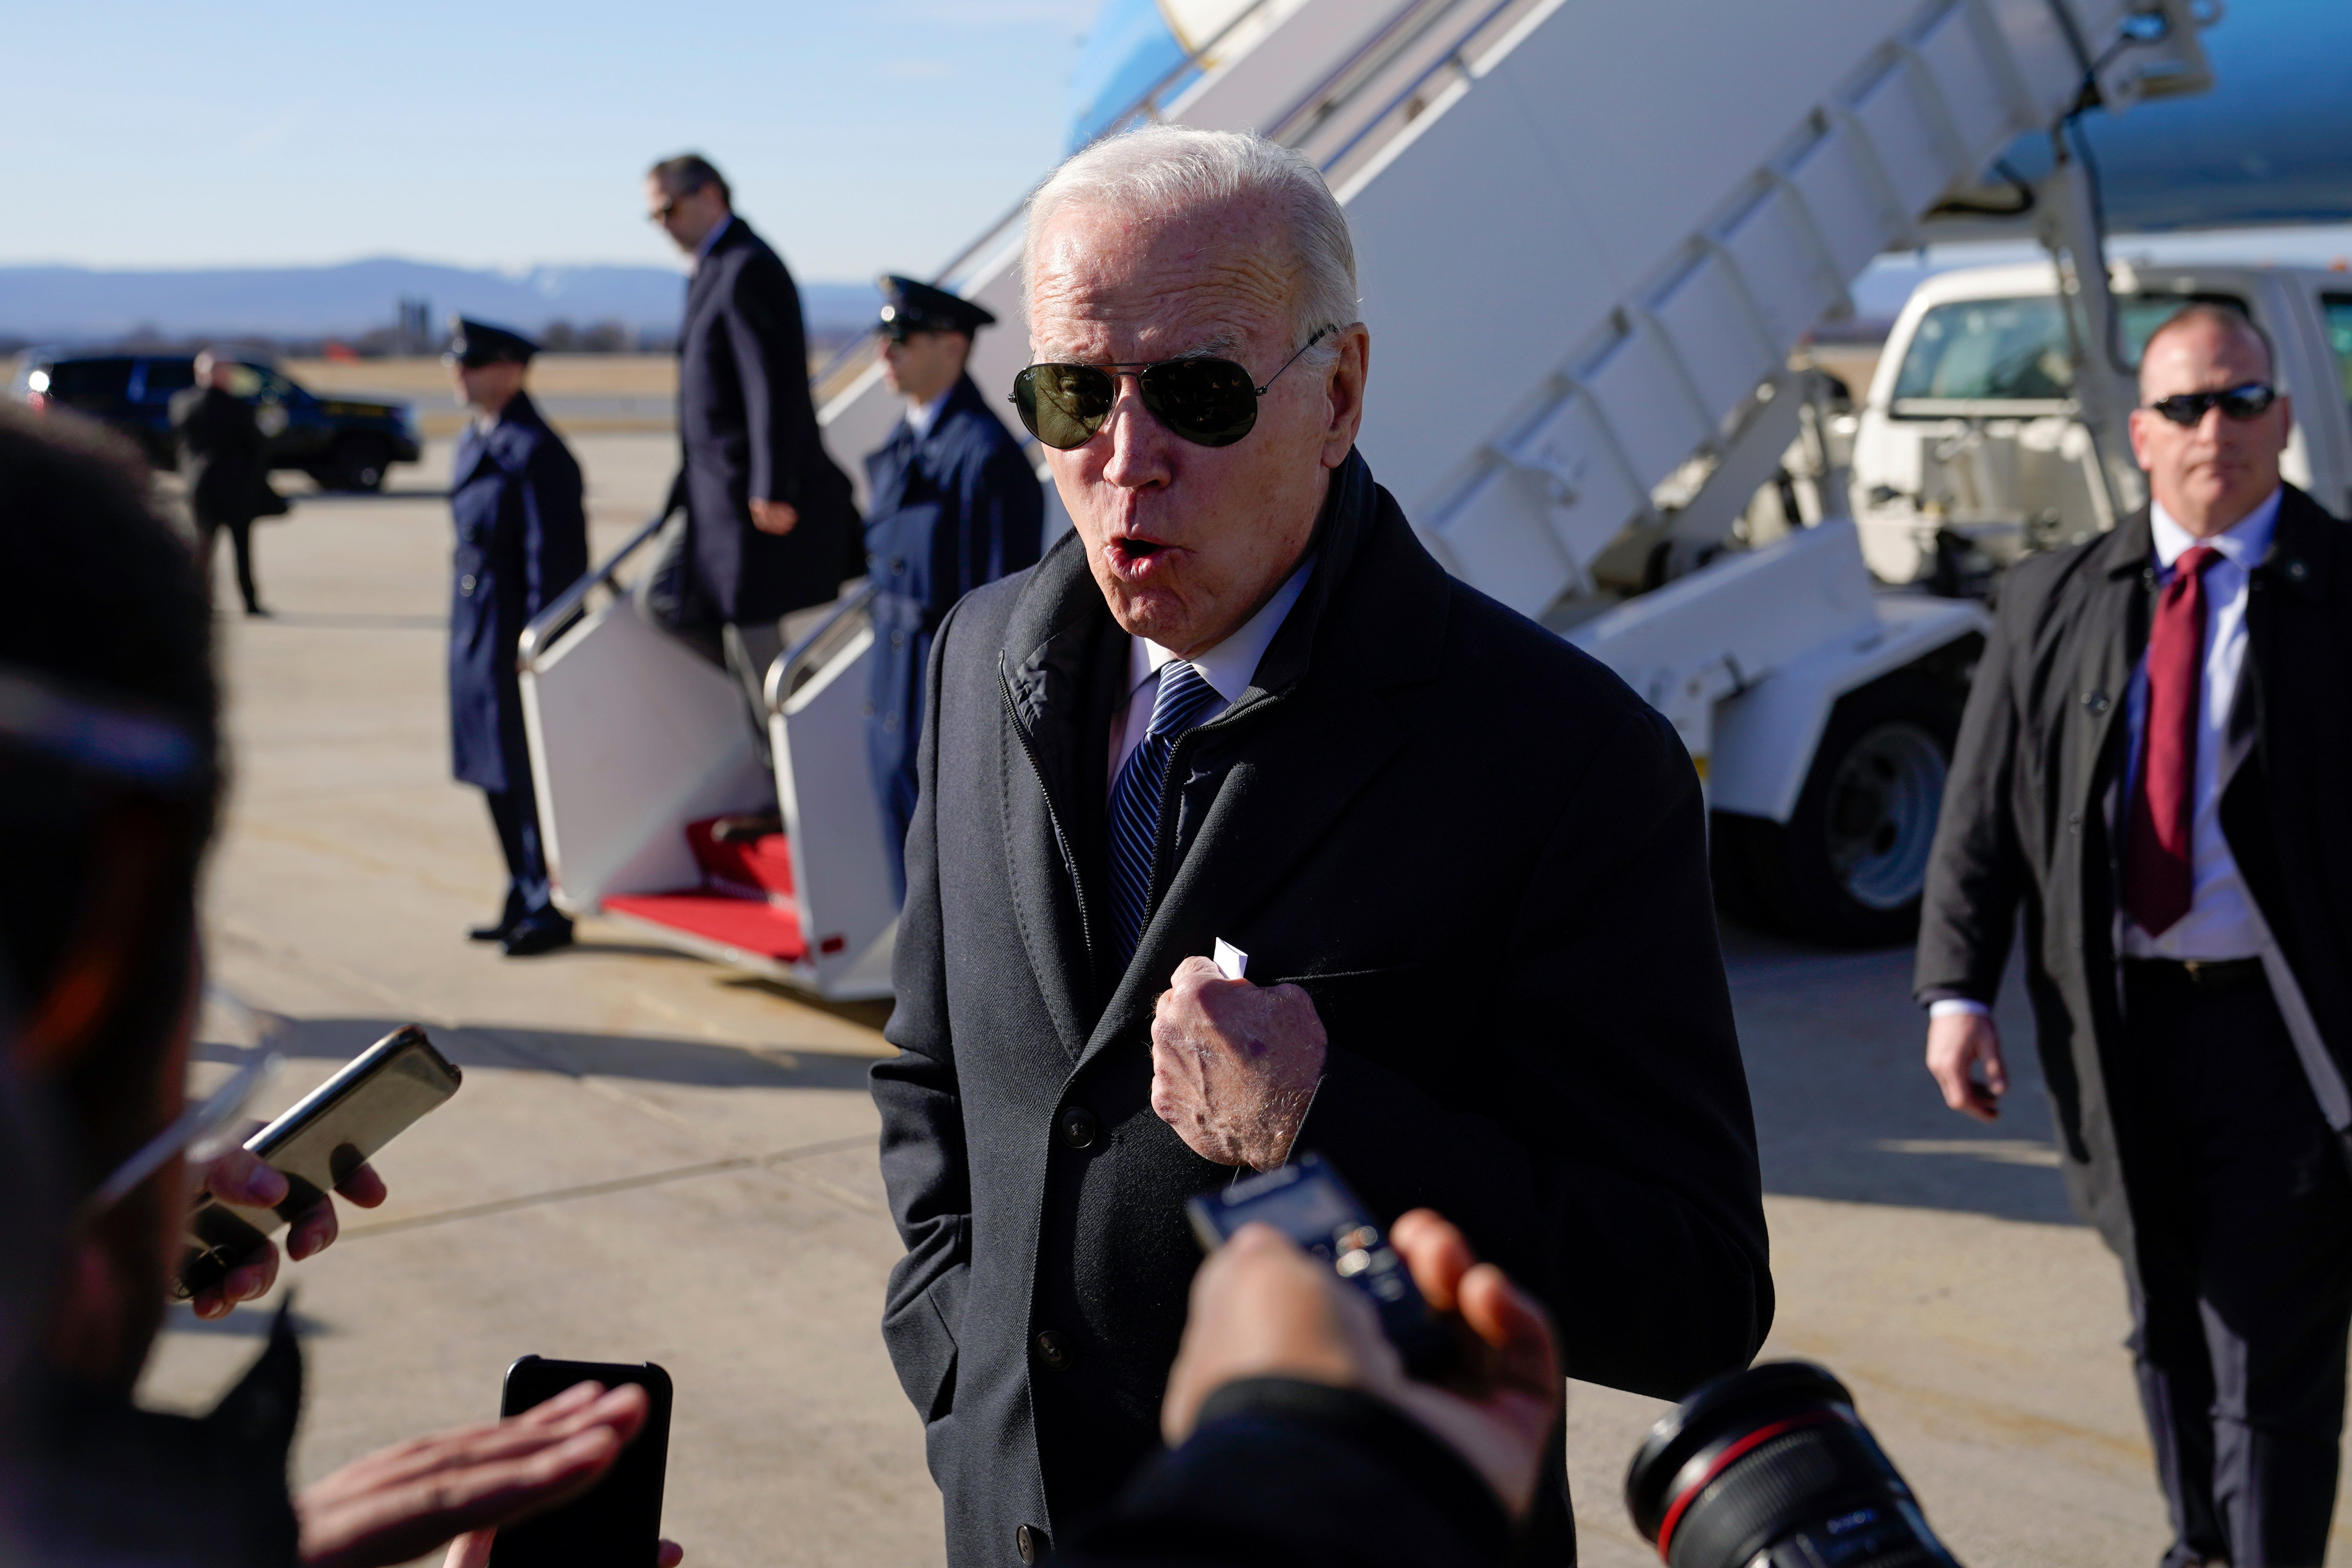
2157 876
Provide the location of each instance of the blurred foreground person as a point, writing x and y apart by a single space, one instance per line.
2153 767
1296 1437
522 540
225 466
768 525
952 504
109 785
1241 702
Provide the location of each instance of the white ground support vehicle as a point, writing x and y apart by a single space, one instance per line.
1969 450
1588 238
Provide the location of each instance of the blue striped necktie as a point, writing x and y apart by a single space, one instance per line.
1183 700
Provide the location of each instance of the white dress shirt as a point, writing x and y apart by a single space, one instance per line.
2221 923
1228 668
921 416
2218 924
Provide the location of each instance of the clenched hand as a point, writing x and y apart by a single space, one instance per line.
1233 1065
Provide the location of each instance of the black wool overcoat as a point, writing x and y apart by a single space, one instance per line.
747 427
2026 819
1481 854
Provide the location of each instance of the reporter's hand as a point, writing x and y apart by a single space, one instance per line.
1261 1307
238 1176
776 517
1958 1044
405 1501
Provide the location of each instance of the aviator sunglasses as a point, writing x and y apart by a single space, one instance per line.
1208 402
2251 401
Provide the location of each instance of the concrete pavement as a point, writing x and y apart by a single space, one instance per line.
652 1158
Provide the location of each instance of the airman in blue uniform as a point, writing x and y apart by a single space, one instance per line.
953 504
522 540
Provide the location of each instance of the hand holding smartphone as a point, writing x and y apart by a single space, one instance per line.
317 1146
616 1523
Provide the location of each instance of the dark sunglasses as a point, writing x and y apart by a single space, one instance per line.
2251 401
1208 402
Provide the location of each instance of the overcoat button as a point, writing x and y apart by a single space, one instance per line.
2096 701
466 583
898 566
1079 1126
898 639
890 726
1025 1541
2074 822
2297 570
1055 1351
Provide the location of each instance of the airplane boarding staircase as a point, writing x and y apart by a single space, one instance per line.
1588 237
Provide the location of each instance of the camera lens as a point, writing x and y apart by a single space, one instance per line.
1772 1466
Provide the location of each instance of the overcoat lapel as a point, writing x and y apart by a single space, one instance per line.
1301 770
2118 623
1042 669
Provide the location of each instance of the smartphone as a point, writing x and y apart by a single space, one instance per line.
616 1523
1309 1202
328 1134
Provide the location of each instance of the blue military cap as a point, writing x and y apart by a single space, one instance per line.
911 307
473 343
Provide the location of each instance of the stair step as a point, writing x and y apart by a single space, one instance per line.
749 867
755 925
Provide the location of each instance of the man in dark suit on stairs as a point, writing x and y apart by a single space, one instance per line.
2155 768
1241 700
768 525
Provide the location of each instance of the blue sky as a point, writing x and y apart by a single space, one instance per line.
859 136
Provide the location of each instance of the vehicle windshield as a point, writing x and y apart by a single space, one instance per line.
2337 308
2014 351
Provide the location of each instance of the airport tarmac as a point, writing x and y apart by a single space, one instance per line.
653 1158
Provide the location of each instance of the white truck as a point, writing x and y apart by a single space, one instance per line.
1969 450
1589 237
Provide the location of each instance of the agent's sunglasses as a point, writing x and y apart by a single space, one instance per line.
2251 401
1208 402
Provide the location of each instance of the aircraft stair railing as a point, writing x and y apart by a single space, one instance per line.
632 734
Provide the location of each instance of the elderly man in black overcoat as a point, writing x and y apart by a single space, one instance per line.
2152 770
515 495
1240 700
768 526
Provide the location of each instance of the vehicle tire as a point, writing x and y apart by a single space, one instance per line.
358 463
1848 866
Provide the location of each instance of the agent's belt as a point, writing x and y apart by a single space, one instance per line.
2206 973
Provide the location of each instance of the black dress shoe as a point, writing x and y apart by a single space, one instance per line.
534 937
489 933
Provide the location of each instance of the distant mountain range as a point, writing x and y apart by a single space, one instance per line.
75 304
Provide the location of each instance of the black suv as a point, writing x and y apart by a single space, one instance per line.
345 444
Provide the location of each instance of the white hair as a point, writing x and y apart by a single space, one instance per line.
1160 171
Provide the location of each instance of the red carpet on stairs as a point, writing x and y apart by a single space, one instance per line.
745 900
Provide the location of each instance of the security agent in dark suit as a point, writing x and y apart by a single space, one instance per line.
1241 701
768 526
224 465
953 504
2153 769
522 540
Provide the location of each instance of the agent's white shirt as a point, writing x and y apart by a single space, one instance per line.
2219 923
921 416
1228 668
